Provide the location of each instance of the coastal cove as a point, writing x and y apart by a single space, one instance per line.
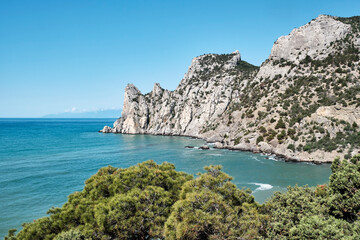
44 160
302 103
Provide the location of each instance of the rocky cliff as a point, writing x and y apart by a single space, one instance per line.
303 102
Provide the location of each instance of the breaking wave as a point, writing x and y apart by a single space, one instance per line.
262 186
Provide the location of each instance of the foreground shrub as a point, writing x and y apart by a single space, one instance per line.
151 201
131 203
211 207
325 212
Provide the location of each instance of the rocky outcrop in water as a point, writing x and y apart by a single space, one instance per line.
302 103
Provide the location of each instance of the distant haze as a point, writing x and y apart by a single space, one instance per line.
106 113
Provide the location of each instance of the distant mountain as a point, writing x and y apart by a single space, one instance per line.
107 113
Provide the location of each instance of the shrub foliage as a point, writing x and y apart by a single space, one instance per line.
151 201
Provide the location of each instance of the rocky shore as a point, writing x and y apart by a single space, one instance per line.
240 147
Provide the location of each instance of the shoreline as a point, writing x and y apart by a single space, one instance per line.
281 157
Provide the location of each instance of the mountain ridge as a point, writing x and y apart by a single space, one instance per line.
302 103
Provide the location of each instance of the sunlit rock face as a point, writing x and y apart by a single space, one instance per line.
313 40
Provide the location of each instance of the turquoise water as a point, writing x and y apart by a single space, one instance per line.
44 160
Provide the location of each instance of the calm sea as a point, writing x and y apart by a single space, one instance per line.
42 161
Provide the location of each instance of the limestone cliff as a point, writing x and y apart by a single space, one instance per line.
202 96
303 102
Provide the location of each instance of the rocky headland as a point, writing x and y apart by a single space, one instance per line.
302 103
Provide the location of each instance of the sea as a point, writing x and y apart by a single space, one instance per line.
42 161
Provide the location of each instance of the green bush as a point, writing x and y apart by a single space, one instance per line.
237 140
291 147
72 234
259 139
262 129
345 189
307 147
132 203
291 132
211 207
280 124
151 201
282 135
326 212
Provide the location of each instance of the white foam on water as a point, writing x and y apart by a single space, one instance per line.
262 186
273 158
256 159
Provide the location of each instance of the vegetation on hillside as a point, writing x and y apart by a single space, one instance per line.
151 201
213 67
289 99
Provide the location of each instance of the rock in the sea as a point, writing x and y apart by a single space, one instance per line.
218 145
106 129
205 147
242 147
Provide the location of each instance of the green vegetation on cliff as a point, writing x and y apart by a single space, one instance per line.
151 201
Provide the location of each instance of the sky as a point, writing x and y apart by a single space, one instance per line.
63 55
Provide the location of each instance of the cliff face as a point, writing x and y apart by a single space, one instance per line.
302 103
202 96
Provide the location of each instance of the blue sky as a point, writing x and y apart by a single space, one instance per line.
58 56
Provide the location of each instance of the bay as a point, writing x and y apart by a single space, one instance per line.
42 161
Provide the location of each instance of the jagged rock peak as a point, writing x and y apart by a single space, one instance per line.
313 39
210 62
131 94
131 89
233 61
157 90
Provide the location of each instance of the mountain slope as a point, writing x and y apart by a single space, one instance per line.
303 102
